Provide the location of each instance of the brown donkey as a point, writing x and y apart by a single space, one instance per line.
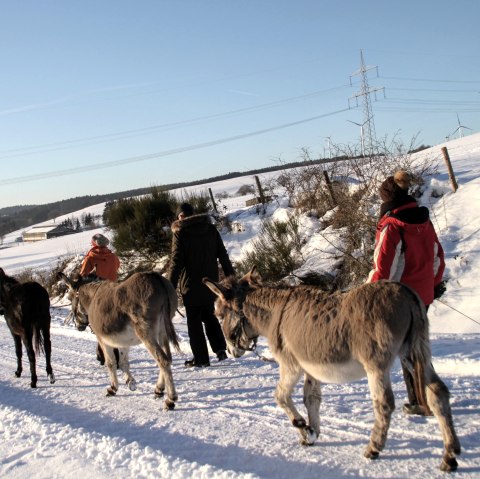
337 338
26 307
137 310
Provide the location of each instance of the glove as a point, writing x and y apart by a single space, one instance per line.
439 289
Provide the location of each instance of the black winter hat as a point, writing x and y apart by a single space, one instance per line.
186 209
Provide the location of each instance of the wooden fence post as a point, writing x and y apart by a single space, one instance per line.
213 201
451 174
329 186
260 190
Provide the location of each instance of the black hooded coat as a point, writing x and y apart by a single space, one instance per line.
196 246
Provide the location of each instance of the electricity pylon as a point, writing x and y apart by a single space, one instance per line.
370 139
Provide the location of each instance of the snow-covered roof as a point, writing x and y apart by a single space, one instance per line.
42 229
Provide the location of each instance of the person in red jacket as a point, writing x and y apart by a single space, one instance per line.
407 250
102 262
100 259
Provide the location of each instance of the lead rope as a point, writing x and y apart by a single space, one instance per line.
459 312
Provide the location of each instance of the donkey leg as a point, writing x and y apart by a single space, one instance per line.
18 352
383 406
111 364
31 358
47 344
165 378
160 386
312 397
289 376
124 364
438 401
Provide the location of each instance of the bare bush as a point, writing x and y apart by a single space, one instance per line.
350 184
245 190
277 251
46 277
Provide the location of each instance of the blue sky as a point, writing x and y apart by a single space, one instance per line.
103 96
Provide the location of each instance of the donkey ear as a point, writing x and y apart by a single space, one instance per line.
217 288
253 278
65 280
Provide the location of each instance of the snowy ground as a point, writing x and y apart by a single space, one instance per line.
226 423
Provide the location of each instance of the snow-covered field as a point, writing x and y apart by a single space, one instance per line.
226 423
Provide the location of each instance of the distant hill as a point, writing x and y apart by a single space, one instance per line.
13 218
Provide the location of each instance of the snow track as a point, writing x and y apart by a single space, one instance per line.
225 425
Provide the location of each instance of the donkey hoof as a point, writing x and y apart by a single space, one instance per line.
309 436
449 464
169 405
132 385
371 454
300 423
52 378
18 374
159 394
111 391
33 384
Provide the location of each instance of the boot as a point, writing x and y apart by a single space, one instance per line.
222 355
192 364
414 409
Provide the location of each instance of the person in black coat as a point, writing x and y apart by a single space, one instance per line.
196 247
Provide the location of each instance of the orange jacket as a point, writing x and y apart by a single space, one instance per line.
106 263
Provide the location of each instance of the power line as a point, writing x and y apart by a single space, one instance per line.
422 101
427 110
30 150
439 90
433 80
135 159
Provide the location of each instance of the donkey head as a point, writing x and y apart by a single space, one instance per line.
6 283
78 312
231 294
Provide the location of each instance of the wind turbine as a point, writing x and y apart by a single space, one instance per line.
362 137
460 128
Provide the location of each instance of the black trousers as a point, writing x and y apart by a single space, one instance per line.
197 317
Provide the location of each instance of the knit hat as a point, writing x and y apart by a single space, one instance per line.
395 186
100 240
186 209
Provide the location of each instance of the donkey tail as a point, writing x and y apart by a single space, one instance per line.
419 355
171 306
38 340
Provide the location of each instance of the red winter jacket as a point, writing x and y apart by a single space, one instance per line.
106 263
407 250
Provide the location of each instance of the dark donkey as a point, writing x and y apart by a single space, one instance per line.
26 307
337 338
137 310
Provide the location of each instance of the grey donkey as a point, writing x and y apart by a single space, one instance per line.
337 337
137 310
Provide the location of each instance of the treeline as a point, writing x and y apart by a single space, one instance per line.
13 218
